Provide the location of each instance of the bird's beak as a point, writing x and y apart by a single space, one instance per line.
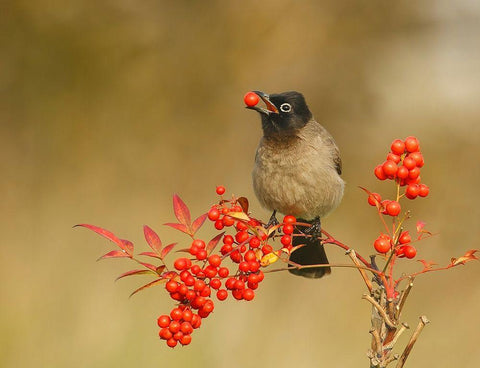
270 107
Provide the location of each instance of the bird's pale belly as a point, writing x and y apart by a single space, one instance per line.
283 186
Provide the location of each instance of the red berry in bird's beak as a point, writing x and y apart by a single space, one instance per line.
251 99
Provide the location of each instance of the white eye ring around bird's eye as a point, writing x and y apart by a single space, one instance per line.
285 107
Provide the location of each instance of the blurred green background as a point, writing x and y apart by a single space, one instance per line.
107 108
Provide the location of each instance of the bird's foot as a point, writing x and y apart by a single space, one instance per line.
273 220
315 231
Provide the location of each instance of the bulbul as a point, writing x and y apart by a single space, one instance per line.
297 172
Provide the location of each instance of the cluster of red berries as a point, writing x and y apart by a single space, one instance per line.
383 244
198 277
403 164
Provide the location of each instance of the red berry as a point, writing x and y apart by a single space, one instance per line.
199 243
402 172
196 321
163 321
241 226
210 271
220 190
171 342
409 251
382 245
171 286
289 219
228 239
405 238
424 190
215 283
186 328
237 294
374 198
187 315
288 229
236 256
251 99
181 263
195 269
267 249
414 173
409 163
176 314
389 168
248 294
254 242
186 339
178 335
418 157
228 221
379 173
398 147
213 214
222 294
393 157
199 285
411 144
286 240
239 284
250 256
223 272
219 224
393 208
215 260
230 283
201 254
241 236
174 327
412 191
165 334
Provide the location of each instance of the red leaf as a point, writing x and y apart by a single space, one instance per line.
152 283
150 254
149 266
198 223
167 250
114 254
468 256
152 239
133 272
184 250
427 265
179 227
128 246
243 202
213 243
420 226
107 234
182 213
160 269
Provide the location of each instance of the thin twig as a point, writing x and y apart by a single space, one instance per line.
423 321
391 359
403 298
353 255
380 310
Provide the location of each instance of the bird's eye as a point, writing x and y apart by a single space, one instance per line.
285 107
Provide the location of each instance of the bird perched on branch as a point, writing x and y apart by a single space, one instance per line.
297 172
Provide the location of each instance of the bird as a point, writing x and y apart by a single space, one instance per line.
297 172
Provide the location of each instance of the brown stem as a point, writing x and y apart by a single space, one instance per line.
351 253
423 321
403 298
380 310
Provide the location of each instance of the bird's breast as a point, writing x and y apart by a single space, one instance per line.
296 178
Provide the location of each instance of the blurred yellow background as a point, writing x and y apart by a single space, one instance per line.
107 108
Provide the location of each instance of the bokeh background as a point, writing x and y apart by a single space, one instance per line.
107 108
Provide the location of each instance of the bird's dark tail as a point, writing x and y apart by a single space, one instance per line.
311 253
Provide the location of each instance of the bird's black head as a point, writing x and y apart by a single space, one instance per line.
285 112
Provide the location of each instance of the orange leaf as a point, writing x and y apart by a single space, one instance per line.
109 235
182 213
213 243
167 250
198 223
114 254
133 272
150 284
468 256
152 239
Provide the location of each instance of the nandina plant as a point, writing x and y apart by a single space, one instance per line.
235 261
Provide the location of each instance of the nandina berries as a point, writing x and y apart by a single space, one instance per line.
251 99
382 244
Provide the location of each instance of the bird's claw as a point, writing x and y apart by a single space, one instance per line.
315 231
273 220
